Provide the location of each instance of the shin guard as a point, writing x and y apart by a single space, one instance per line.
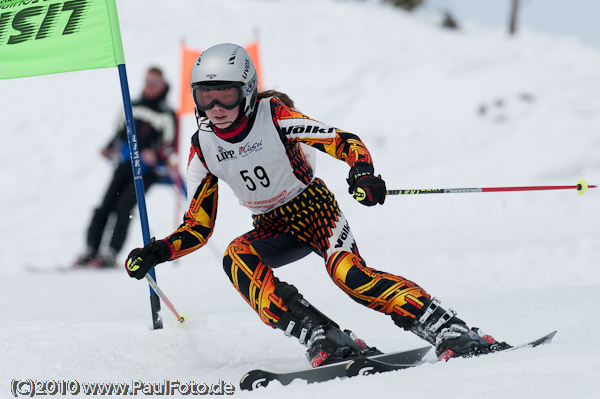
253 280
383 292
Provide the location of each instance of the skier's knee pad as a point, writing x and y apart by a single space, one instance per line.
240 257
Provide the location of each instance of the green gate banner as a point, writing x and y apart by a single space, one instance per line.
39 37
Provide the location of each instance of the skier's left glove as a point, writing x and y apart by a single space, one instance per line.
365 187
140 260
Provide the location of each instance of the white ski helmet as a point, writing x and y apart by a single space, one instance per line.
223 67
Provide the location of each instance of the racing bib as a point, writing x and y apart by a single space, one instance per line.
257 169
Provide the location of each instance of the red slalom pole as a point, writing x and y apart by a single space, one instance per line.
158 291
581 188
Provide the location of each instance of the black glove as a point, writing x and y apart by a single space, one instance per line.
140 260
365 187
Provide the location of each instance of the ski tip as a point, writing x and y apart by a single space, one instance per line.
244 385
544 340
254 379
551 335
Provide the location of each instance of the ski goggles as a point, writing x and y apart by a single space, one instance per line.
228 95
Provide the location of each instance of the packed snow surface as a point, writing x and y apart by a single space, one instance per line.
437 109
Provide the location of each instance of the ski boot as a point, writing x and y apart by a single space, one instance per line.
325 341
93 260
328 344
450 335
86 259
106 260
460 341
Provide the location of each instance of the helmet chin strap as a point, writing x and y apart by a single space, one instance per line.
219 123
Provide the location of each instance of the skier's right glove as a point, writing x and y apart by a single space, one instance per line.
140 260
364 186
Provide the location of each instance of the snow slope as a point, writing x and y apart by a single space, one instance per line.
516 264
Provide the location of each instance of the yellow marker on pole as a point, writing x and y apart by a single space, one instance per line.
582 186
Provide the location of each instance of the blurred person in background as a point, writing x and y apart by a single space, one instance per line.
155 125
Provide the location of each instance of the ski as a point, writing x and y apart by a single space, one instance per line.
532 344
368 366
261 378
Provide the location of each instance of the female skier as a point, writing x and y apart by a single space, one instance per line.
251 141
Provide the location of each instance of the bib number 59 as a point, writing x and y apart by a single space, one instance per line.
260 174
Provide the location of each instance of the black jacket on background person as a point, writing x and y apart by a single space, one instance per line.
155 125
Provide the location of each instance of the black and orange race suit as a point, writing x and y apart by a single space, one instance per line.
294 213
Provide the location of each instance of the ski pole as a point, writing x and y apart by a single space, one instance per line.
581 188
162 296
